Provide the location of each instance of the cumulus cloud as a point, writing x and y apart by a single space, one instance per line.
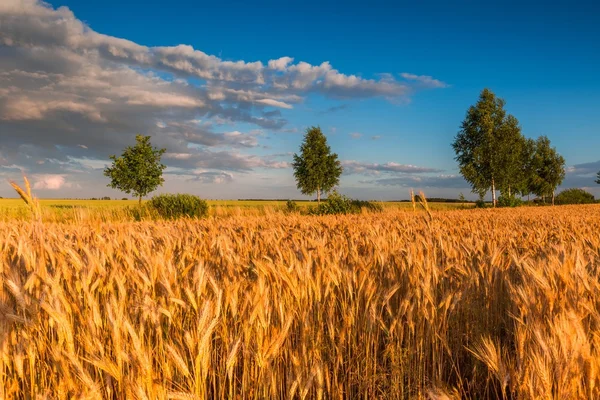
355 135
280 64
213 177
71 96
31 24
221 160
49 182
274 103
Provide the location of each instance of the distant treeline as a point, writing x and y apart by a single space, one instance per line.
274 200
432 199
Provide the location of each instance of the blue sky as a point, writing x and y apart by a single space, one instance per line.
396 84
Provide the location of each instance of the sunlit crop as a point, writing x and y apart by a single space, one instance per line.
395 305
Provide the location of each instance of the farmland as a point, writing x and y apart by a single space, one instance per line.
66 210
460 304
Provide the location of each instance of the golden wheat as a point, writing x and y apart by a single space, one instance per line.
30 201
470 304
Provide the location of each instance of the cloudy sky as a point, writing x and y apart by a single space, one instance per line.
229 88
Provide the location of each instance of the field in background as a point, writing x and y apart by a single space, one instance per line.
69 210
471 304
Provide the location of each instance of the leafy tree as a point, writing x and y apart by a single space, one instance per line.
138 170
316 169
508 163
527 183
598 180
575 196
488 146
548 169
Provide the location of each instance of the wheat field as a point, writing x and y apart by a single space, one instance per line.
473 304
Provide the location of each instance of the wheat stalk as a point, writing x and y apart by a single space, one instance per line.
30 201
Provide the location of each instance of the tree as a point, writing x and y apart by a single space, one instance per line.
598 180
138 170
548 168
575 196
508 163
316 169
527 184
488 146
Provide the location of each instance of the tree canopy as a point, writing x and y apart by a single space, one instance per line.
488 145
598 180
316 168
575 196
138 170
493 154
548 168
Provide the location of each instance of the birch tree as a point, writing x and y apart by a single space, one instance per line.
316 168
479 145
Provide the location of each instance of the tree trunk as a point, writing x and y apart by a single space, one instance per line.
493 192
553 197
318 195
140 202
509 194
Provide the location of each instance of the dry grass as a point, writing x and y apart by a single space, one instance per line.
464 304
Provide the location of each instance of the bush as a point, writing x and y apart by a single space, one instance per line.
574 196
171 206
480 203
360 204
291 207
339 204
509 201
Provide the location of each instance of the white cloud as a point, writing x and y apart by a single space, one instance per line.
50 182
355 135
424 80
274 103
280 64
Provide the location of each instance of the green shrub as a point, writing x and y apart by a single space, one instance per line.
480 204
509 201
574 196
360 204
336 204
339 204
172 206
291 207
